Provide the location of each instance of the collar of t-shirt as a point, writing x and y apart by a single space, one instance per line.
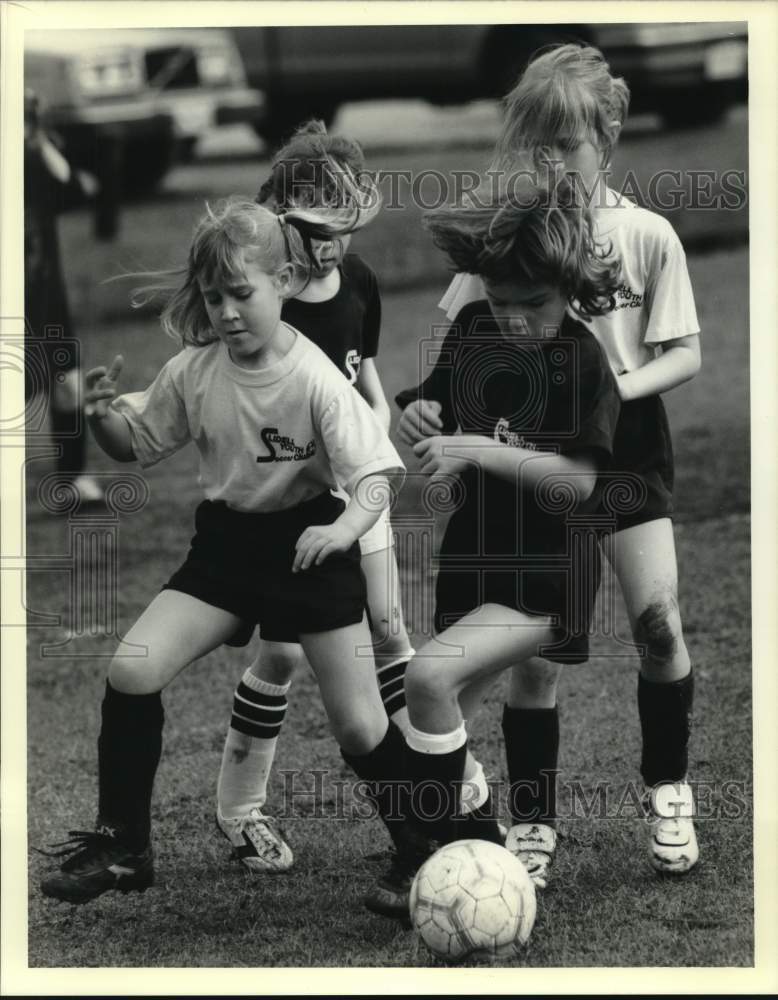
272 373
321 304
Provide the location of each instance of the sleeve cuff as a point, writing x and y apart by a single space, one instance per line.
387 465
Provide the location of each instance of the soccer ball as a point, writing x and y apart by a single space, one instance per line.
473 897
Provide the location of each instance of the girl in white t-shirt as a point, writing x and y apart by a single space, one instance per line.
277 427
339 309
566 113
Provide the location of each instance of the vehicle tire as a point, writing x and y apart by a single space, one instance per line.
284 116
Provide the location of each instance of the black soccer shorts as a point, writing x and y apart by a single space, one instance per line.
243 563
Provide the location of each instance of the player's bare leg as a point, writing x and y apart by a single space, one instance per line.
456 666
172 632
391 645
644 560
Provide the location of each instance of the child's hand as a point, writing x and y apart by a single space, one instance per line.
101 388
438 455
419 420
319 541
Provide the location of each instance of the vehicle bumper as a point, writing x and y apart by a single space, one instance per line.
719 65
131 116
193 112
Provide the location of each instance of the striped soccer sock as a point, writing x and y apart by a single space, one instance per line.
391 682
258 711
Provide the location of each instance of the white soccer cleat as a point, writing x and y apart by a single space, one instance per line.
672 842
534 845
257 842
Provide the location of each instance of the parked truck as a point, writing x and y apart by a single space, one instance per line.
688 72
131 102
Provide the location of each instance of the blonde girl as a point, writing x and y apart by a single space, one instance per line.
276 427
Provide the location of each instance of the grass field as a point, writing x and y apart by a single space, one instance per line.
605 907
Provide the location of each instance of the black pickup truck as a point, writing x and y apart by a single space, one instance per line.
688 72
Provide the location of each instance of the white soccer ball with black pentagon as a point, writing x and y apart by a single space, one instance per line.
470 898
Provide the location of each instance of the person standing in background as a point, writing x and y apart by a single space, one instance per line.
51 363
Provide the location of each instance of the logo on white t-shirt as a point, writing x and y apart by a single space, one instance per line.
289 451
626 298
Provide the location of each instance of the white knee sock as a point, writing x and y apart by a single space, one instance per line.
475 790
258 711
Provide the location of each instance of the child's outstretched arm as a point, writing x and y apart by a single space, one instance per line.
321 540
371 390
109 428
679 361
449 456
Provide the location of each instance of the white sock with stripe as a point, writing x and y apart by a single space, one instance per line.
258 711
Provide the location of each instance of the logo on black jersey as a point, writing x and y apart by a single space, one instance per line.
288 450
353 361
504 434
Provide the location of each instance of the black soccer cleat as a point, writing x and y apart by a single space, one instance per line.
100 863
477 825
390 896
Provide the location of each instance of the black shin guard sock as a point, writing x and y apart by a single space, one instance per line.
383 768
665 722
128 749
72 445
479 824
436 788
532 752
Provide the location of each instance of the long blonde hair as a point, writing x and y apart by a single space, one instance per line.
530 235
234 231
565 96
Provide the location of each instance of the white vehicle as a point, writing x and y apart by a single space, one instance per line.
152 91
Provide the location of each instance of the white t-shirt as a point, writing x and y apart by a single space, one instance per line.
268 439
654 302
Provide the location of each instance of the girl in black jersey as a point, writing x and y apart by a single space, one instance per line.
529 407
566 112
339 309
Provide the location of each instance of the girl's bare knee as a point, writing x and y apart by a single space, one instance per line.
426 683
359 736
387 630
277 662
535 682
390 644
659 634
134 676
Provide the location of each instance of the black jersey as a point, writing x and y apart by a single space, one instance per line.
345 327
506 544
